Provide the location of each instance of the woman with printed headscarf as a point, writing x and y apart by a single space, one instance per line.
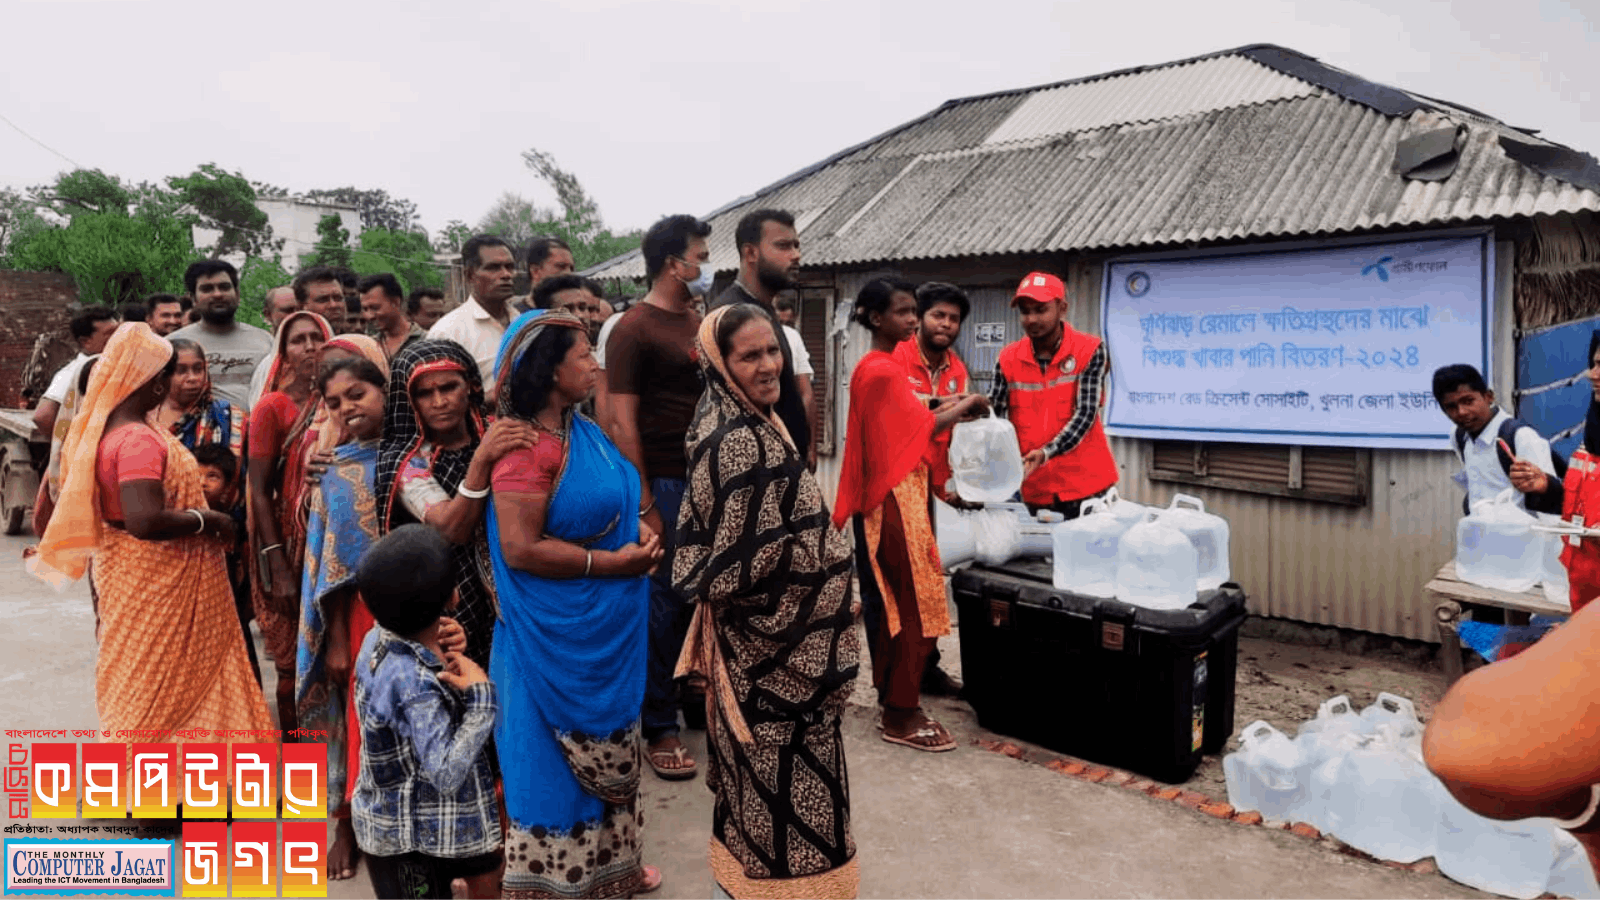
773 632
196 416
435 464
275 479
170 657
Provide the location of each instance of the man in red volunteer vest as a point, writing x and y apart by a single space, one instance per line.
1051 385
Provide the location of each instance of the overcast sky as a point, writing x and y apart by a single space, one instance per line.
669 105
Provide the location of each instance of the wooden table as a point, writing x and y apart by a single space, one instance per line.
1454 599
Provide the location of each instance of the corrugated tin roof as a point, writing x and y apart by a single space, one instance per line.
1219 82
1257 142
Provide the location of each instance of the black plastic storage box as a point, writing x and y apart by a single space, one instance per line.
1146 690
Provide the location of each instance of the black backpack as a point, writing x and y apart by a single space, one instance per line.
1508 433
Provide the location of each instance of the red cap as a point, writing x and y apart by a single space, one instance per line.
1041 287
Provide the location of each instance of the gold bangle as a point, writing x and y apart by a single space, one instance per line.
588 562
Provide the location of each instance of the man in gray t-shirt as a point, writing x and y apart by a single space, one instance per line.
232 348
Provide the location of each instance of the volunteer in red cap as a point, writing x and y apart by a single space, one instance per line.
1051 385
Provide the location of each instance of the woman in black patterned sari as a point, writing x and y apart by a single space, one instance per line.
774 627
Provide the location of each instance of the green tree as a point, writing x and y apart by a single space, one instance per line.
86 190
19 214
226 201
405 253
578 221
333 244
256 278
377 208
577 207
516 219
454 233
103 251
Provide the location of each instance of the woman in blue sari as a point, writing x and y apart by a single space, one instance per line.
570 566
342 522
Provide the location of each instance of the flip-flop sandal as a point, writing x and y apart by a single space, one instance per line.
918 740
651 882
680 754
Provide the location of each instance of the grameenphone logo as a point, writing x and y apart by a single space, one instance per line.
1381 268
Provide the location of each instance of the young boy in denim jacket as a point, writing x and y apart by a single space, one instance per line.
424 806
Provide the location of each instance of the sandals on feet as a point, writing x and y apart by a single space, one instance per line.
671 763
650 882
928 736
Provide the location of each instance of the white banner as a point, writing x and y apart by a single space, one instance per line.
1332 346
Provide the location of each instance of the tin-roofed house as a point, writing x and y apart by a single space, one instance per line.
1278 254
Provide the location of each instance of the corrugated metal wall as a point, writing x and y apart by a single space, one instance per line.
1361 568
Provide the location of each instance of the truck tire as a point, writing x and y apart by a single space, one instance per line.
10 473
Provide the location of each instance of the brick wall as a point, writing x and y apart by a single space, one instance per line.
31 303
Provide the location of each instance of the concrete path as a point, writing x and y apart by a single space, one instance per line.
971 823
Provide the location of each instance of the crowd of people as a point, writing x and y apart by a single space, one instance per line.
500 555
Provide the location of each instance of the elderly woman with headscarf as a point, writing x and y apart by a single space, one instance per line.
435 463
773 632
170 656
1577 498
275 478
570 567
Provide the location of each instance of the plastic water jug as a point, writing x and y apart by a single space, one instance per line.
1323 743
1157 567
1086 551
1208 533
1573 875
1554 580
1035 537
1496 546
1383 800
958 543
1261 774
1397 716
1033 532
1515 859
985 460
997 533
1126 512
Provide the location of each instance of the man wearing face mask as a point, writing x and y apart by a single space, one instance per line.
653 381
769 262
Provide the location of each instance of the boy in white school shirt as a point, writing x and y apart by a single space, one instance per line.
1466 400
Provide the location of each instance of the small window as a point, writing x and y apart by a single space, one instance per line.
1340 475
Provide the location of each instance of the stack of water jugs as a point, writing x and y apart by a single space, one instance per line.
1154 558
1360 777
1497 547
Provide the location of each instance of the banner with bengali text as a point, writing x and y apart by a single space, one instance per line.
1331 346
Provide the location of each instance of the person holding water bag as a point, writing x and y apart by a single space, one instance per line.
1051 385
1488 442
1574 493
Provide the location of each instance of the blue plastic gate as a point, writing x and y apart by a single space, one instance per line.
1552 388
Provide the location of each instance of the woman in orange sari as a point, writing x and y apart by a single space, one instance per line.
171 656
884 479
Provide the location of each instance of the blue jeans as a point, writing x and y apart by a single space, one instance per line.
669 622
